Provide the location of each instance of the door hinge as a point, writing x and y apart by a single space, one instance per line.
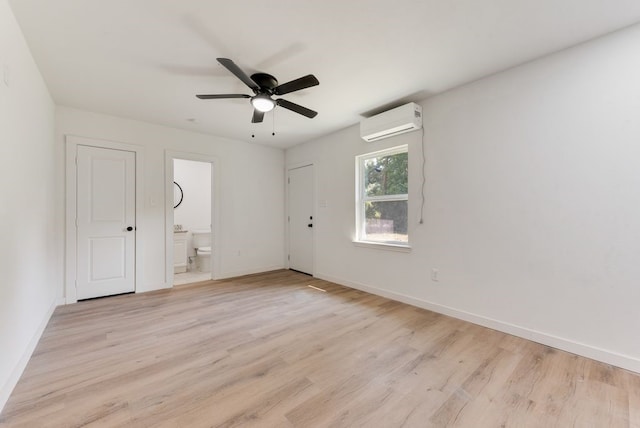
76 222
289 180
288 257
288 218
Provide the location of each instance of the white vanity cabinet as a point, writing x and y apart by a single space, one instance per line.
180 251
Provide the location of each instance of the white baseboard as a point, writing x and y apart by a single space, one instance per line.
154 287
7 388
609 357
244 272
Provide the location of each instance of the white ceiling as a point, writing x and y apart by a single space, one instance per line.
146 59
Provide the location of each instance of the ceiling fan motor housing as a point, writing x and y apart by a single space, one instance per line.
265 81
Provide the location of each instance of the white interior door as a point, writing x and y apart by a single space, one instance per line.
105 222
301 219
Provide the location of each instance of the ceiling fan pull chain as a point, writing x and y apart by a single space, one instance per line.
273 123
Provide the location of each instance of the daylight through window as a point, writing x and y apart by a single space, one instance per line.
382 196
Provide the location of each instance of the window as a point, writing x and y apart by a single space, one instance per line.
382 196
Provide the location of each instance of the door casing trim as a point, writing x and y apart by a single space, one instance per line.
71 257
288 169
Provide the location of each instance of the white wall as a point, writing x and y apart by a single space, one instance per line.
251 199
31 249
532 203
195 210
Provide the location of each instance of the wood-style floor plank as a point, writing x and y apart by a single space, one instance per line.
268 351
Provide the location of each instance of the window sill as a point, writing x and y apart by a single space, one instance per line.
383 246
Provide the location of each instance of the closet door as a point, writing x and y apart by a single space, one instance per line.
106 232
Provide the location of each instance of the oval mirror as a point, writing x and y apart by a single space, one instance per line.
178 195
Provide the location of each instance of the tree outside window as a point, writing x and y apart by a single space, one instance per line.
383 196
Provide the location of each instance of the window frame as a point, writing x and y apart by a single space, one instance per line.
362 199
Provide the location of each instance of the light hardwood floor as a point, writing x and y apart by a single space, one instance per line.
269 351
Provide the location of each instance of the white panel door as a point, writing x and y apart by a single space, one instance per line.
301 219
105 222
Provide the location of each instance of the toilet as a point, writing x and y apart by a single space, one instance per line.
202 245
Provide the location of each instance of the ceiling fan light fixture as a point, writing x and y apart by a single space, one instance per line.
263 103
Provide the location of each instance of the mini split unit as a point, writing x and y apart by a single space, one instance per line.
397 121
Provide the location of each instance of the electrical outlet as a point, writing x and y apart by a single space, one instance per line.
434 274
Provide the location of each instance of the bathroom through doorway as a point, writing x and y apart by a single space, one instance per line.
191 255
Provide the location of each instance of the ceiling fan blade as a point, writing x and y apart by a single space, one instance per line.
257 116
222 96
296 85
233 68
296 108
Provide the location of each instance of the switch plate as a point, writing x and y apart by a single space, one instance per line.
434 274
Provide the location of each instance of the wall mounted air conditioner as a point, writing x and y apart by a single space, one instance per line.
396 121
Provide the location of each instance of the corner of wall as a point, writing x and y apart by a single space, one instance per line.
14 377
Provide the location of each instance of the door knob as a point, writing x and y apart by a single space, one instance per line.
310 225
129 229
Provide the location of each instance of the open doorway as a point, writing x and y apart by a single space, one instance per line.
191 254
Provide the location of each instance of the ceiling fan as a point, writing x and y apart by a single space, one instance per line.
264 86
